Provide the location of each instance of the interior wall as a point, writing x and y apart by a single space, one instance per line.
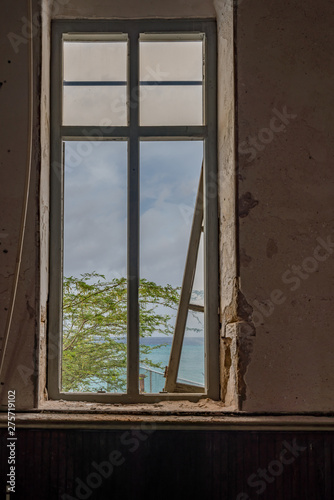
146 463
19 371
285 189
145 9
278 318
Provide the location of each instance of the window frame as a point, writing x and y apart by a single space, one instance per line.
134 133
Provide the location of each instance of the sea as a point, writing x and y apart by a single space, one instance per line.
152 379
191 368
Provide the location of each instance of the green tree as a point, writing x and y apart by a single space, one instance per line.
94 328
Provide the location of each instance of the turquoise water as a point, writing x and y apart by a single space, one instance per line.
191 364
191 368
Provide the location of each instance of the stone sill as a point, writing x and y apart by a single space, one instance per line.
168 415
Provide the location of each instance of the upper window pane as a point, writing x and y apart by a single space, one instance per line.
171 78
95 83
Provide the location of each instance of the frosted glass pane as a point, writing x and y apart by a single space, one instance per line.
171 105
95 247
95 61
98 106
171 60
171 76
95 90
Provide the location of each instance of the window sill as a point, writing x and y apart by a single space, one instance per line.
181 415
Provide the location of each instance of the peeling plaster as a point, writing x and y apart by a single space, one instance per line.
226 342
245 349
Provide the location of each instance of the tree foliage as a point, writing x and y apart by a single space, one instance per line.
95 328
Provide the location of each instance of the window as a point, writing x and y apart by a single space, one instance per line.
134 229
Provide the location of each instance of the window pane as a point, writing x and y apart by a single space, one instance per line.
95 91
171 75
170 173
95 61
171 60
197 296
94 268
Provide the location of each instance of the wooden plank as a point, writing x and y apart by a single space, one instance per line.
196 308
180 387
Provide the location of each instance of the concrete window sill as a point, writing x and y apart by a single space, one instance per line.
206 414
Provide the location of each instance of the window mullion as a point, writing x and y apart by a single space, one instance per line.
133 219
211 223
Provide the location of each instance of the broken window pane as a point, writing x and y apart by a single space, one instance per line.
191 370
170 173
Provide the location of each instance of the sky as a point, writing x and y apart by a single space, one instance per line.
95 207
95 199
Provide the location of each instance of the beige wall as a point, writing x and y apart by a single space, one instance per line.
134 9
284 60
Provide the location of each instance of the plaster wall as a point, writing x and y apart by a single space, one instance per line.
285 189
133 9
19 371
276 346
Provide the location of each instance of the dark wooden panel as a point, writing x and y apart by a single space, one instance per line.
215 465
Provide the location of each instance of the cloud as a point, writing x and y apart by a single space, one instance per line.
95 211
95 224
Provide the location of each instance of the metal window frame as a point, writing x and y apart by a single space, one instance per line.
134 133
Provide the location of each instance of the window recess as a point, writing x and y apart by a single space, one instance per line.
134 231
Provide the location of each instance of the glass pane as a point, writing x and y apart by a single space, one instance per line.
197 296
171 76
94 268
95 91
94 106
171 60
95 61
177 105
170 173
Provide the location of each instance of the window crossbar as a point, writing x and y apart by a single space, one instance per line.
144 83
